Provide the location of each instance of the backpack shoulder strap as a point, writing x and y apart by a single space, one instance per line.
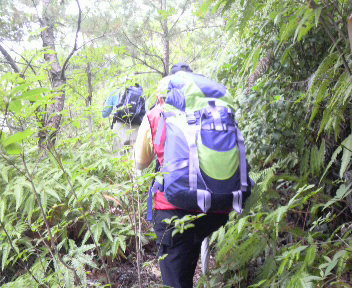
161 125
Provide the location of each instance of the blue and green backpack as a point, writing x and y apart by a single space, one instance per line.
205 167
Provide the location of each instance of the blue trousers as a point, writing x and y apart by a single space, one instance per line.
178 267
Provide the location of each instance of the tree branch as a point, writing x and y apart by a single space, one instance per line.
146 64
142 50
201 27
178 18
28 63
91 40
147 72
74 49
10 60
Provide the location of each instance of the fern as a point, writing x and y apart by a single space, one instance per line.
305 24
346 155
267 269
317 157
321 79
242 252
250 7
345 145
333 114
287 30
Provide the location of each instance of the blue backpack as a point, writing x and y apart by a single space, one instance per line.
205 166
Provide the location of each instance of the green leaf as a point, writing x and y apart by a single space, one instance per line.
332 160
5 174
310 255
339 254
166 13
305 280
44 199
317 13
122 241
108 232
341 193
115 247
19 88
2 209
97 230
304 25
204 8
259 284
18 195
15 106
241 223
38 31
34 94
53 193
5 254
18 137
13 149
347 154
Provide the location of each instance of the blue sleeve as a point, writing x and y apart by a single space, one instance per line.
110 104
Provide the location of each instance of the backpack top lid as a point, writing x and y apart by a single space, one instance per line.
136 88
189 91
181 66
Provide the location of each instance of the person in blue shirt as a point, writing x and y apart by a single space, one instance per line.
126 133
110 103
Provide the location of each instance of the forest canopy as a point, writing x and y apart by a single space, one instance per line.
72 211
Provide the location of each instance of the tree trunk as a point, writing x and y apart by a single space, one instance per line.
52 120
89 98
166 41
349 28
261 69
166 49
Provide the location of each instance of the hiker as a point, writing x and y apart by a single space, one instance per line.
156 136
129 109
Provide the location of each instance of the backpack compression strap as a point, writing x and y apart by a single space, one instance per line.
237 195
203 196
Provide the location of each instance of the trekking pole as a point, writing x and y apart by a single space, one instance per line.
204 256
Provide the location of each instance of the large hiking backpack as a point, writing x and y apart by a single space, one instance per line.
131 107
205 166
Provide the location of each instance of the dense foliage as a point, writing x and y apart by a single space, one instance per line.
296 118
72 209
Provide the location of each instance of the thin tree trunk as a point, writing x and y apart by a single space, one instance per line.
47 136
166 41
349 28
90 97
166 49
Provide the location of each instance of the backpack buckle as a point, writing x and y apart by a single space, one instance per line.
191 119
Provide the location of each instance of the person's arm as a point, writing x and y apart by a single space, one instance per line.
143 148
